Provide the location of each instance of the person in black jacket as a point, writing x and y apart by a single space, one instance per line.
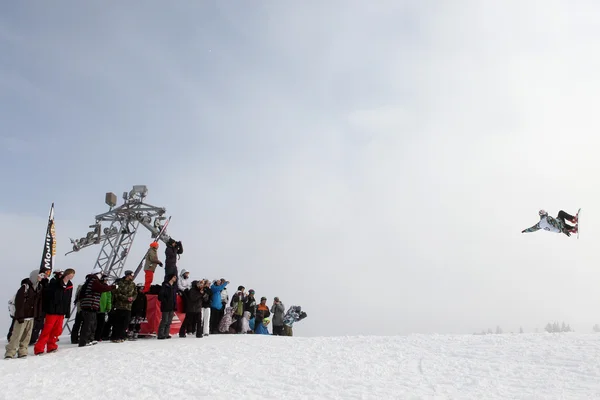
12 324
27 307
173 250
89 299
38 324
57 305
207 298
193 311
250 303
167 306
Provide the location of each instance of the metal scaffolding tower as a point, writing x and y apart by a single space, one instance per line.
117 239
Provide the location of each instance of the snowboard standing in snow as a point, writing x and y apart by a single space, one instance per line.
556 225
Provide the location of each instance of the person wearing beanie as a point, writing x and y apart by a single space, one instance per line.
172 252
122 300
90 305
250 303
278 311
237 303
150 264
206 312
106 307
167 306
38 322
27 306
57 274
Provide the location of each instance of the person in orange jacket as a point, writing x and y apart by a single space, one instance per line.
150 265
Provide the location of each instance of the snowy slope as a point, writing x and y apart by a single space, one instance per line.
528 366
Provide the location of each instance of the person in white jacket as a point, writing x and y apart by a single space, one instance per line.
184 283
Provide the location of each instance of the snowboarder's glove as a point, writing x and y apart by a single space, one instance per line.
21 320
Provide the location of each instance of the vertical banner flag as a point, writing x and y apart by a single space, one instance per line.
49 244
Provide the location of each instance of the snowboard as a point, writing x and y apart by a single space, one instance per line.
577 224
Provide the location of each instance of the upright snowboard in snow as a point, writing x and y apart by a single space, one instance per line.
577 223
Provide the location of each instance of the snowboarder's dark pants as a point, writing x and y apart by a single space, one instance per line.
76 327
238 323
191 323
215 318
165 324
121 320
278 330
88 328
100 322
563 215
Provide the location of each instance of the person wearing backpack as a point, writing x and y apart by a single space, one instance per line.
27 306
11 311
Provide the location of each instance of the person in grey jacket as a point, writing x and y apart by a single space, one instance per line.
278 311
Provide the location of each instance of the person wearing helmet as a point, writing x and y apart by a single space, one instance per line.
150 265
556 225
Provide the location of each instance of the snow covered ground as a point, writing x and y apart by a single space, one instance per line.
526 366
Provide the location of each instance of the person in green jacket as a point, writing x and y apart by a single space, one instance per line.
105 308
123 297
237 302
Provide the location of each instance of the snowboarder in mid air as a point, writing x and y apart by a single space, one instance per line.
557 225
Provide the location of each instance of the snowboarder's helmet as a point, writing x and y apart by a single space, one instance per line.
543 212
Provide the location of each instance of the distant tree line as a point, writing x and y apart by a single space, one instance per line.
556 327
551 327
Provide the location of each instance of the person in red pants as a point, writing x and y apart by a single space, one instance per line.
56 303
150 265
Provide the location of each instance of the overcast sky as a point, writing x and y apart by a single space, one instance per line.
374 162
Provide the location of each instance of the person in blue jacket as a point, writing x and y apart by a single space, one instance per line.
216 306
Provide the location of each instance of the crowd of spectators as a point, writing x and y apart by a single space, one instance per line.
116 311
